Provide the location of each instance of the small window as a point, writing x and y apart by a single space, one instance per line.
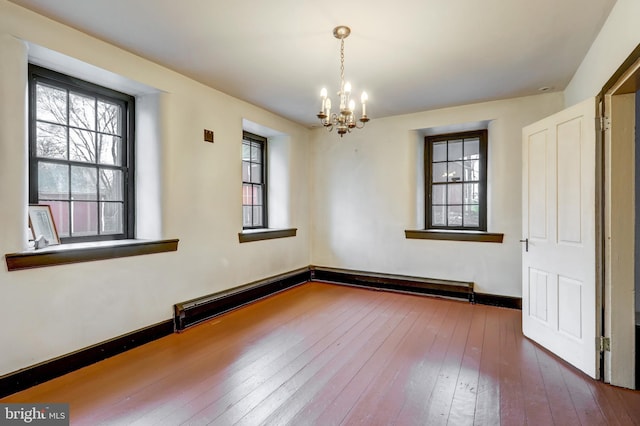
456 181
81 156
254 182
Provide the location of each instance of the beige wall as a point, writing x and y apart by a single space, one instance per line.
367 189
189 190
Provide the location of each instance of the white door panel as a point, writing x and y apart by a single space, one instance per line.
559 269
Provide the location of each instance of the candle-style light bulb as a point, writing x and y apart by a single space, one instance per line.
347 87
323 95
328 107
364 98
352 105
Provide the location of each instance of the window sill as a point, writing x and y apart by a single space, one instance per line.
86 252
249 235
451 235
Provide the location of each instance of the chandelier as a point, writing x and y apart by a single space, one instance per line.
343 120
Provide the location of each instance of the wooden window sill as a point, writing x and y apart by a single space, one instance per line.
451 235
249 235
86 252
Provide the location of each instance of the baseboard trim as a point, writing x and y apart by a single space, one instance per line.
195 311
45 371
500 301
401 283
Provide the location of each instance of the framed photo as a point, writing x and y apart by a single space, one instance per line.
41 223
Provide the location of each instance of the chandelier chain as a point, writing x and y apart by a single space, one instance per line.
342 65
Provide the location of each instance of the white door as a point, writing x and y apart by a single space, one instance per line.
559 210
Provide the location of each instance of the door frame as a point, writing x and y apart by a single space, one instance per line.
615 250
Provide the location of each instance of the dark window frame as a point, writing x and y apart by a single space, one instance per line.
46 76
482 135
262 141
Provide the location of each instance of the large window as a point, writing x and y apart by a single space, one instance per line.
254 185
81 156
456 181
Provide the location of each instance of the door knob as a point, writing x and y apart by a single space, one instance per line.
526 244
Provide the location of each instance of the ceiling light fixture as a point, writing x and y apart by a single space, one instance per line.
344 120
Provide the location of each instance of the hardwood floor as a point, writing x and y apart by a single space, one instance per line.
327 355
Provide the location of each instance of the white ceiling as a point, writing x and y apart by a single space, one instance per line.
409 55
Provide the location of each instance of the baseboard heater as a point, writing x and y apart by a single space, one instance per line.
406 284
195 311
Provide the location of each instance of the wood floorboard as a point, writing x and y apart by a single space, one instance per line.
512 400
322 354
487 405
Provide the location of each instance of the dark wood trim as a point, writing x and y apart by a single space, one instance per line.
451 235
266 234
637 355
496 300
194 311
39 373
401 283
86 252
482 135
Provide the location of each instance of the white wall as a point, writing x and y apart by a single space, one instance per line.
197 189
366 192
618 37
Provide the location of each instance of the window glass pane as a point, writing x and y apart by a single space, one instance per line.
51 104
472 170
256 173
109 118
438 216
110 150
439 152
111 185
454 215
455 150
84 183
84 218
82 146
112 215
439 194
455 171
471 195
53 181
257 216
256 152
60 212
51 141
257 195
246 194
455 193
82 111
472 216
471 149
247 216
439 172
246 171
246 151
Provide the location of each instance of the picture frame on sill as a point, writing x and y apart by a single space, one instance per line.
42 225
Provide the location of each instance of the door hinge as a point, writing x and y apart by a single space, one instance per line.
604 123
604 344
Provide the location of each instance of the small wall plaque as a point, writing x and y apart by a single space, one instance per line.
208 135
